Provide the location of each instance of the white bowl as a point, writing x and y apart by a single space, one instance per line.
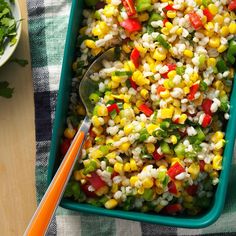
15 8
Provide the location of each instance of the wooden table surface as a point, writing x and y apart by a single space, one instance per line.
17 143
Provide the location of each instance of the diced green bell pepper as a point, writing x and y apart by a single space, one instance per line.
221 66
143 5
231 53
148 194
154 17
179 150
165 148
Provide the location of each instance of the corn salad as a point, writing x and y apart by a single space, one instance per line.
157 136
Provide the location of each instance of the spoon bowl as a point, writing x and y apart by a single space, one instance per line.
43 215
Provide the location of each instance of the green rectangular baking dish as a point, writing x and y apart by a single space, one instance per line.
199 221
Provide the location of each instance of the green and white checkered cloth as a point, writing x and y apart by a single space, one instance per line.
48 20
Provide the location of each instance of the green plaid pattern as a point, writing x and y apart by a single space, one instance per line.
48 21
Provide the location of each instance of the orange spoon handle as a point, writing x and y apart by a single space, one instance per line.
43 215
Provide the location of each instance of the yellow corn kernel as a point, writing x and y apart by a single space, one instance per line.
220 144
159 56
186 90
78 175
125 146
69 133
147 183
217 136
110 204
100 29
171 74
204 20
141 49
173 139
95 154
90 43
219 85
133 165
165 94
114 188
117 119
168 25
219 19
150 147
133 180
208 168
117 79
165 31
143 17
81 110
151 128
95 121
102 110
127 98
194 77
126 105
211 62
182 118
96 51
176 102
109 10
222 48
179 31
171 14
127 167
128 129
111 155
232 28
194 170
139 79
188 53
97 130
144 93
188 198
224 31
118 167
213 9
217 162
166 113
126 48
141 191
214 42
129 66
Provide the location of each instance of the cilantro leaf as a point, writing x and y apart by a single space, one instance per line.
21 62
5 91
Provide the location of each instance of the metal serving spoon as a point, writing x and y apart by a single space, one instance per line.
43 215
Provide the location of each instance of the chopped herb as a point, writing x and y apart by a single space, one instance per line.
162 42
5 91
21 62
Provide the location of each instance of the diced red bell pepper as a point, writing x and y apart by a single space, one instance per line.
64 146
206 120
232 5
129 7
172 209
96 181
176 121
193 91
91 133
133 84
192 189
175 170
208 14
172 187
114 174
160 89
85 188
195 20
202 165
135 57
157 156
206 106
169 7
145 109
113 107
131 25
170 68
